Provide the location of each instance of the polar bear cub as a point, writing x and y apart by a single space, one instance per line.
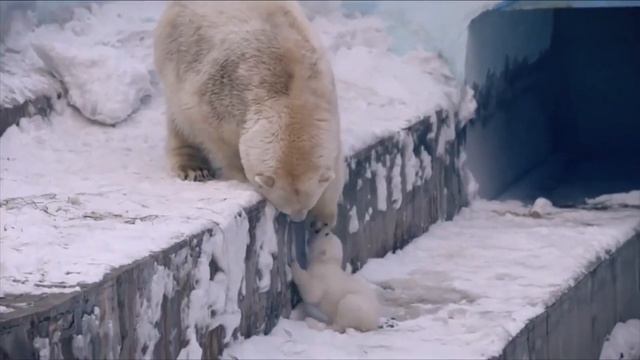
346 300
251 96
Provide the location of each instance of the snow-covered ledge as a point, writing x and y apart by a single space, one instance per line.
106 255
577 323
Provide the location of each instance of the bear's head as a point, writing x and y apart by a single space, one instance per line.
325 247
293 195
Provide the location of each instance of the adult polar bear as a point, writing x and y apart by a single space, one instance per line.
250 93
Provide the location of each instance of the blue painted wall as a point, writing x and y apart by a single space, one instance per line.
510 133
553 81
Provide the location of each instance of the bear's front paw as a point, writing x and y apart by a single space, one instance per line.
193 174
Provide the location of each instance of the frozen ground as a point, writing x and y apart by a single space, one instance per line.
466 287
80 198
623 342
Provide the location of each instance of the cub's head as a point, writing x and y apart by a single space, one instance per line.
325 248
293 195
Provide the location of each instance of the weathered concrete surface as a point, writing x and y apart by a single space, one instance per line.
107 319
576 324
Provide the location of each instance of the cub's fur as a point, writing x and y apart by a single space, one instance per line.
347 301
251 94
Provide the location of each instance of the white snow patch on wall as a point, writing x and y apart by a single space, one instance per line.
468 105
471 186
82 344
267 246
150 310
396 182
623 342
215 302
4 309
353 220
425 161
368 214
447 134
381 185
411 162
42 347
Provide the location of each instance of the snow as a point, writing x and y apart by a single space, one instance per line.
631 198
623 342
215 302
367 215
425 159
541 207
412 164
115 76
381 185
466 287
150 310
405 88
267 246
353 220
94 198
396 182
81 344
42 346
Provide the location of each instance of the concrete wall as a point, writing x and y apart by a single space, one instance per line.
548 82
506 65
596 65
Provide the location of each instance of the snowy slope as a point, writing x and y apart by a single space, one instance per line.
466 287
82 198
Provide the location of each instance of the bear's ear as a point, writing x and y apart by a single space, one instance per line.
326 176
265 180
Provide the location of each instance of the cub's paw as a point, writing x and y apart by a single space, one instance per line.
193 174
389 323
318 226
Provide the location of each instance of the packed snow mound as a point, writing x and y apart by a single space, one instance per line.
465 288
623 343
104 84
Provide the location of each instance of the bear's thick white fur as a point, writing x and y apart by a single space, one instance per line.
346 300
251 94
